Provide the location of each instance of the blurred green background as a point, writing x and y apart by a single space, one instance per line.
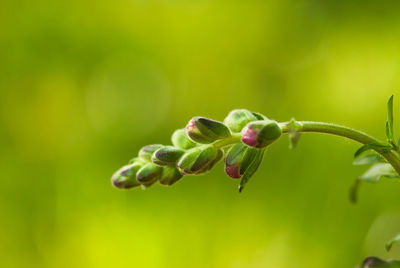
85 84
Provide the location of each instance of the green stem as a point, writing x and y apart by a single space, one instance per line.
236 137
328 128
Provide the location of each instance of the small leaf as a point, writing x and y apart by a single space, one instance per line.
390 244
375 146
293 135
353 193
389 123
372 175
388 133
251 169
374 262
377 171
369 159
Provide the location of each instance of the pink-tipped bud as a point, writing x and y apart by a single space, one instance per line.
260 134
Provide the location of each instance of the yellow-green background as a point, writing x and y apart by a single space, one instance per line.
85 84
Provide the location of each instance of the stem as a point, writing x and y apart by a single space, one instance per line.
361 137
236 137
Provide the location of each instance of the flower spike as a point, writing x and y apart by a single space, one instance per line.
241 141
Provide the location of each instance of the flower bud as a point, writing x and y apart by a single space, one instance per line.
239 118
238 159
167 155
147 151
197 159
148 174
259 134
181 140
125 177
204 130
170 175
209 166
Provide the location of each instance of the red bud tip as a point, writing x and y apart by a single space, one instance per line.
249 137
233 171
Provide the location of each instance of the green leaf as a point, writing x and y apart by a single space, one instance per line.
389 135
389 123
251 169
353 193
374 173
369 159
394 240
293 135
374 262
375 146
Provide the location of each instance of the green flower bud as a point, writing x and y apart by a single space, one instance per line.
147 151
181 140
125 177
148 174
204 130
167 155
238 119
259 134
197 159
209 166
238 159
170 175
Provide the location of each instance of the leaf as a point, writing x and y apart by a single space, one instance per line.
374 262
375 146
369 159
394 240
251 169
374 173
388 133
353 192
294 137
389 123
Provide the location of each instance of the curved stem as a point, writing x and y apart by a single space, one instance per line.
361 137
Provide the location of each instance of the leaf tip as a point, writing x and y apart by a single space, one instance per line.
353 191
390 244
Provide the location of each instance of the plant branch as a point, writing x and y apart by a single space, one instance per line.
338 130
326 128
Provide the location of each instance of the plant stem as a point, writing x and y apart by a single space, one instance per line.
328 128
236 137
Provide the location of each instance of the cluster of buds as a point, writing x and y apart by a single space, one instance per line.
240 140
